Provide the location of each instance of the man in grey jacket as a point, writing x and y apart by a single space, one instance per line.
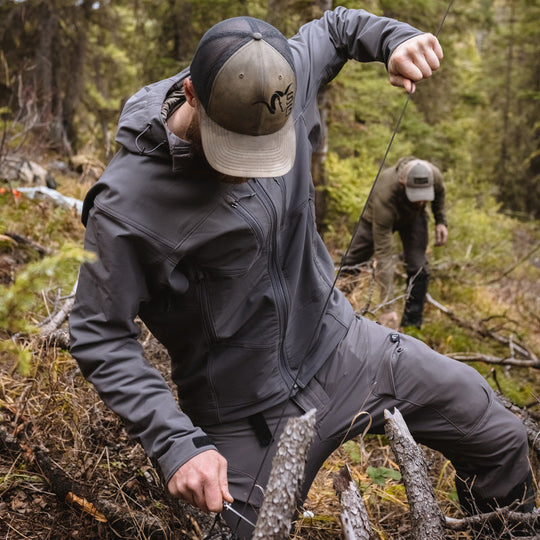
203 225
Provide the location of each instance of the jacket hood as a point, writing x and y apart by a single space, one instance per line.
141 128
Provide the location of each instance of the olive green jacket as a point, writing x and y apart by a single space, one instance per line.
388 210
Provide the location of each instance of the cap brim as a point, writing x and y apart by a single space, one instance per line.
420 194
248 156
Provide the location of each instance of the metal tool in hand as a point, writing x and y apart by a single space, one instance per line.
229 507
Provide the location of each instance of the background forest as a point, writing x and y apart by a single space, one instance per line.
66 69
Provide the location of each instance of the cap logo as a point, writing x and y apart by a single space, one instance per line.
421 180
276 99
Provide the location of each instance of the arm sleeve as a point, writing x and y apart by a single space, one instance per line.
104 343
324 45
438 204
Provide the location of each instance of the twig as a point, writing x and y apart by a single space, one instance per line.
519 348
488 359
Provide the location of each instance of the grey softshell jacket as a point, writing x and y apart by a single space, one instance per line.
233 279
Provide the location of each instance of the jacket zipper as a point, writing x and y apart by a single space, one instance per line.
282 305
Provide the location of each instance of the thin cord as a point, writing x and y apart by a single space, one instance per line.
444 18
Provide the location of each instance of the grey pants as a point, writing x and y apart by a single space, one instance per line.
447 405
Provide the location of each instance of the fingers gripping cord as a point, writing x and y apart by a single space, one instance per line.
294 385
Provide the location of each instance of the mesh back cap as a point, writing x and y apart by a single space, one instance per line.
244 78
420 182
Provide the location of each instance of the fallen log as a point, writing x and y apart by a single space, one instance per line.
427 520
508 517
532 427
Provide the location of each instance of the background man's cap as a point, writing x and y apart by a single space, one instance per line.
419 185
244 78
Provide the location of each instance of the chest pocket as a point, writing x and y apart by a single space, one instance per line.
232 238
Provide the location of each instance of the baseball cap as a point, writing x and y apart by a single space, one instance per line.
419 184
244 77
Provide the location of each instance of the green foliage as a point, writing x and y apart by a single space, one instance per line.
19 355
379 475
354 452
24 296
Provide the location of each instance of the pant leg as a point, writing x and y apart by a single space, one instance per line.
361 247
447 405
415 240
249 462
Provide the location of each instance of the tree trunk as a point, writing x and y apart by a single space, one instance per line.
43 82
66 137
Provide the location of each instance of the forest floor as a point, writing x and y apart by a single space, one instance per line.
68 469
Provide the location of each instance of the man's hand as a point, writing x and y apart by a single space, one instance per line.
390 320
441 234
202 482
414 60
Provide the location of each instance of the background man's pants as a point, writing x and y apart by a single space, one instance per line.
447 405
414 238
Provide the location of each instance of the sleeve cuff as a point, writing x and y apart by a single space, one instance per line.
182 450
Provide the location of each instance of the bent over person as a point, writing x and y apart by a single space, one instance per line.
203 225
398 203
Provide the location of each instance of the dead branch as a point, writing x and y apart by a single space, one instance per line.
53 323
283 489
480 357
354 517
509 517
70 492
479 328
427 520
20 239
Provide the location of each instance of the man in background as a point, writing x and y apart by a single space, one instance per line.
398 203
